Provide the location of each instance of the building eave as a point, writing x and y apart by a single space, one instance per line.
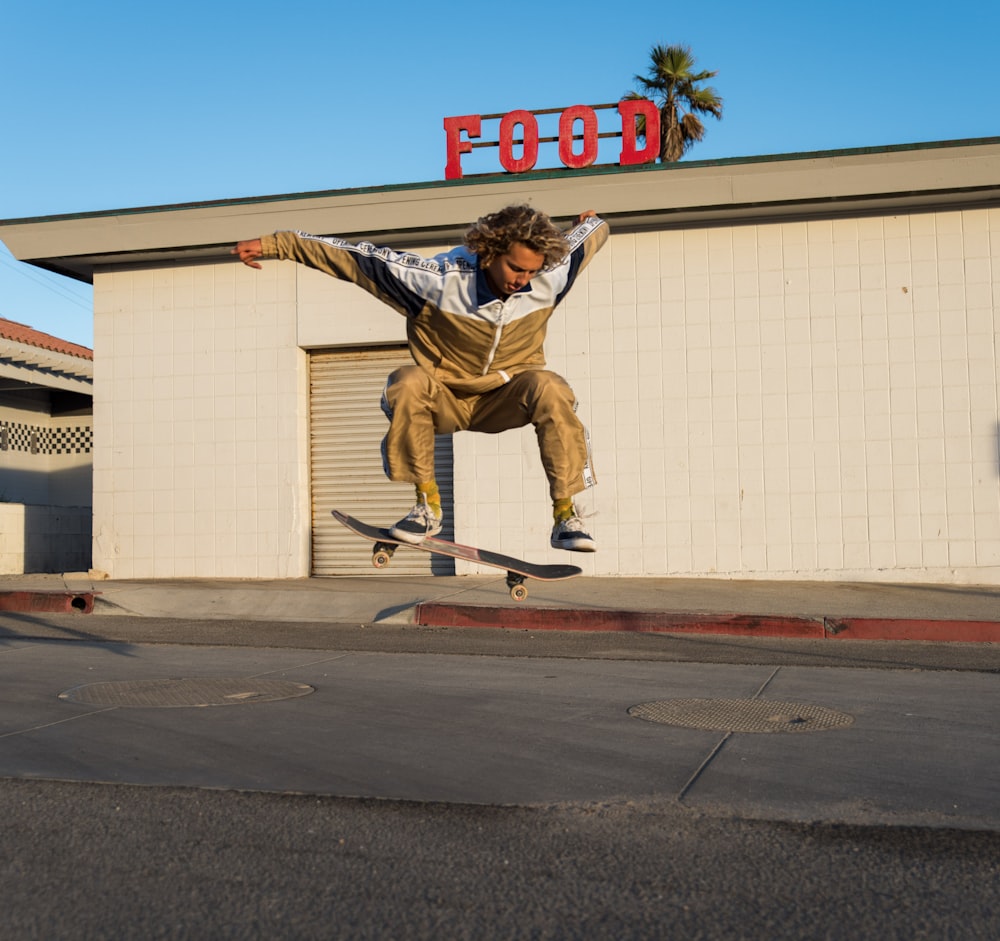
31 366
916 177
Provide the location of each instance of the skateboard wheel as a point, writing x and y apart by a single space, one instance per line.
518 592
381 559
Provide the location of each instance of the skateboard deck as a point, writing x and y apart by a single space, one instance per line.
517 569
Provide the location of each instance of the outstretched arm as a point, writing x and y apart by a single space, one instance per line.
248 252
588 234
400 280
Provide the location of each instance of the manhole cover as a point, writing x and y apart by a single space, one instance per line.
741 715
204 691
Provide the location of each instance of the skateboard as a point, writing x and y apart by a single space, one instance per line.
517 569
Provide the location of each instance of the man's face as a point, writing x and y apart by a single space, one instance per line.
510 272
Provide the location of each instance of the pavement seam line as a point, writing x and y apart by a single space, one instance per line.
703 767
690 783
299 666
49 725
766 683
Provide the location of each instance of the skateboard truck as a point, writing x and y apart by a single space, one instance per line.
382 553
515 582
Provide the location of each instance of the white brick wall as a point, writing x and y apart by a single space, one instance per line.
44 538
801 399
804 399
200 463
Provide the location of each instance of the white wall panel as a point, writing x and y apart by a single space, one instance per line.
804 399
201 454
813 399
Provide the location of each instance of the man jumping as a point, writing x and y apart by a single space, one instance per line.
476 323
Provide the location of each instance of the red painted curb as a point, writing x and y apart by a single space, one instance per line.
433 614
58 602
913 629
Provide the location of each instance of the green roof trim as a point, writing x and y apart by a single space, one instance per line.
504 177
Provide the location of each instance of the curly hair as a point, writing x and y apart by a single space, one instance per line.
492 235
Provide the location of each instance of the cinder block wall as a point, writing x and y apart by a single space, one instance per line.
805 399
37 539
201 458
809 399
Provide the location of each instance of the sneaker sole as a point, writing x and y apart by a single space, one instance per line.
412 539
583 545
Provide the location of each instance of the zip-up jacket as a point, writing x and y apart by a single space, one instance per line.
457 328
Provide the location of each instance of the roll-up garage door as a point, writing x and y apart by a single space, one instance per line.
346 430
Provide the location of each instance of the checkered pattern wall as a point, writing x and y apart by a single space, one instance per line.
34 439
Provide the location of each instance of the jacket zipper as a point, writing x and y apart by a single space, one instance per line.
493 349
501 320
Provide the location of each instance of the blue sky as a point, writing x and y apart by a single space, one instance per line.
111 105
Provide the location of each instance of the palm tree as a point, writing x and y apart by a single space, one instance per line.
672 83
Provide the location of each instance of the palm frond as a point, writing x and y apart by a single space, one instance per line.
692 129
671 60
672 145
705 101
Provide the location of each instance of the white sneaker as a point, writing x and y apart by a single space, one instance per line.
572 534
418 524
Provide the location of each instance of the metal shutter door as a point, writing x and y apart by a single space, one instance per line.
346 430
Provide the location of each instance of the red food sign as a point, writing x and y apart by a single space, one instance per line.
519 130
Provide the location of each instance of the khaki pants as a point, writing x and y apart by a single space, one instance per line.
418 407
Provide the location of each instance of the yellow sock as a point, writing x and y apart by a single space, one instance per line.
562 509
428 490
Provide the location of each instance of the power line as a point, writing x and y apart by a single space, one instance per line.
26 272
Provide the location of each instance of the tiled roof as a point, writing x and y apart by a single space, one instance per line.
19 333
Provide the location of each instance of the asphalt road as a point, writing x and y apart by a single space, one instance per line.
101 861
84 861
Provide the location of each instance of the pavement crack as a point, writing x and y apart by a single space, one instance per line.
300 666
49 725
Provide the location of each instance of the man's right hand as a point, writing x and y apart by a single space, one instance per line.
248 252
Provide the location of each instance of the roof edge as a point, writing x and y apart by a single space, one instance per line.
28 336
480 179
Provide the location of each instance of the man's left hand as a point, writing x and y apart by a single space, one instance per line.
248 251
